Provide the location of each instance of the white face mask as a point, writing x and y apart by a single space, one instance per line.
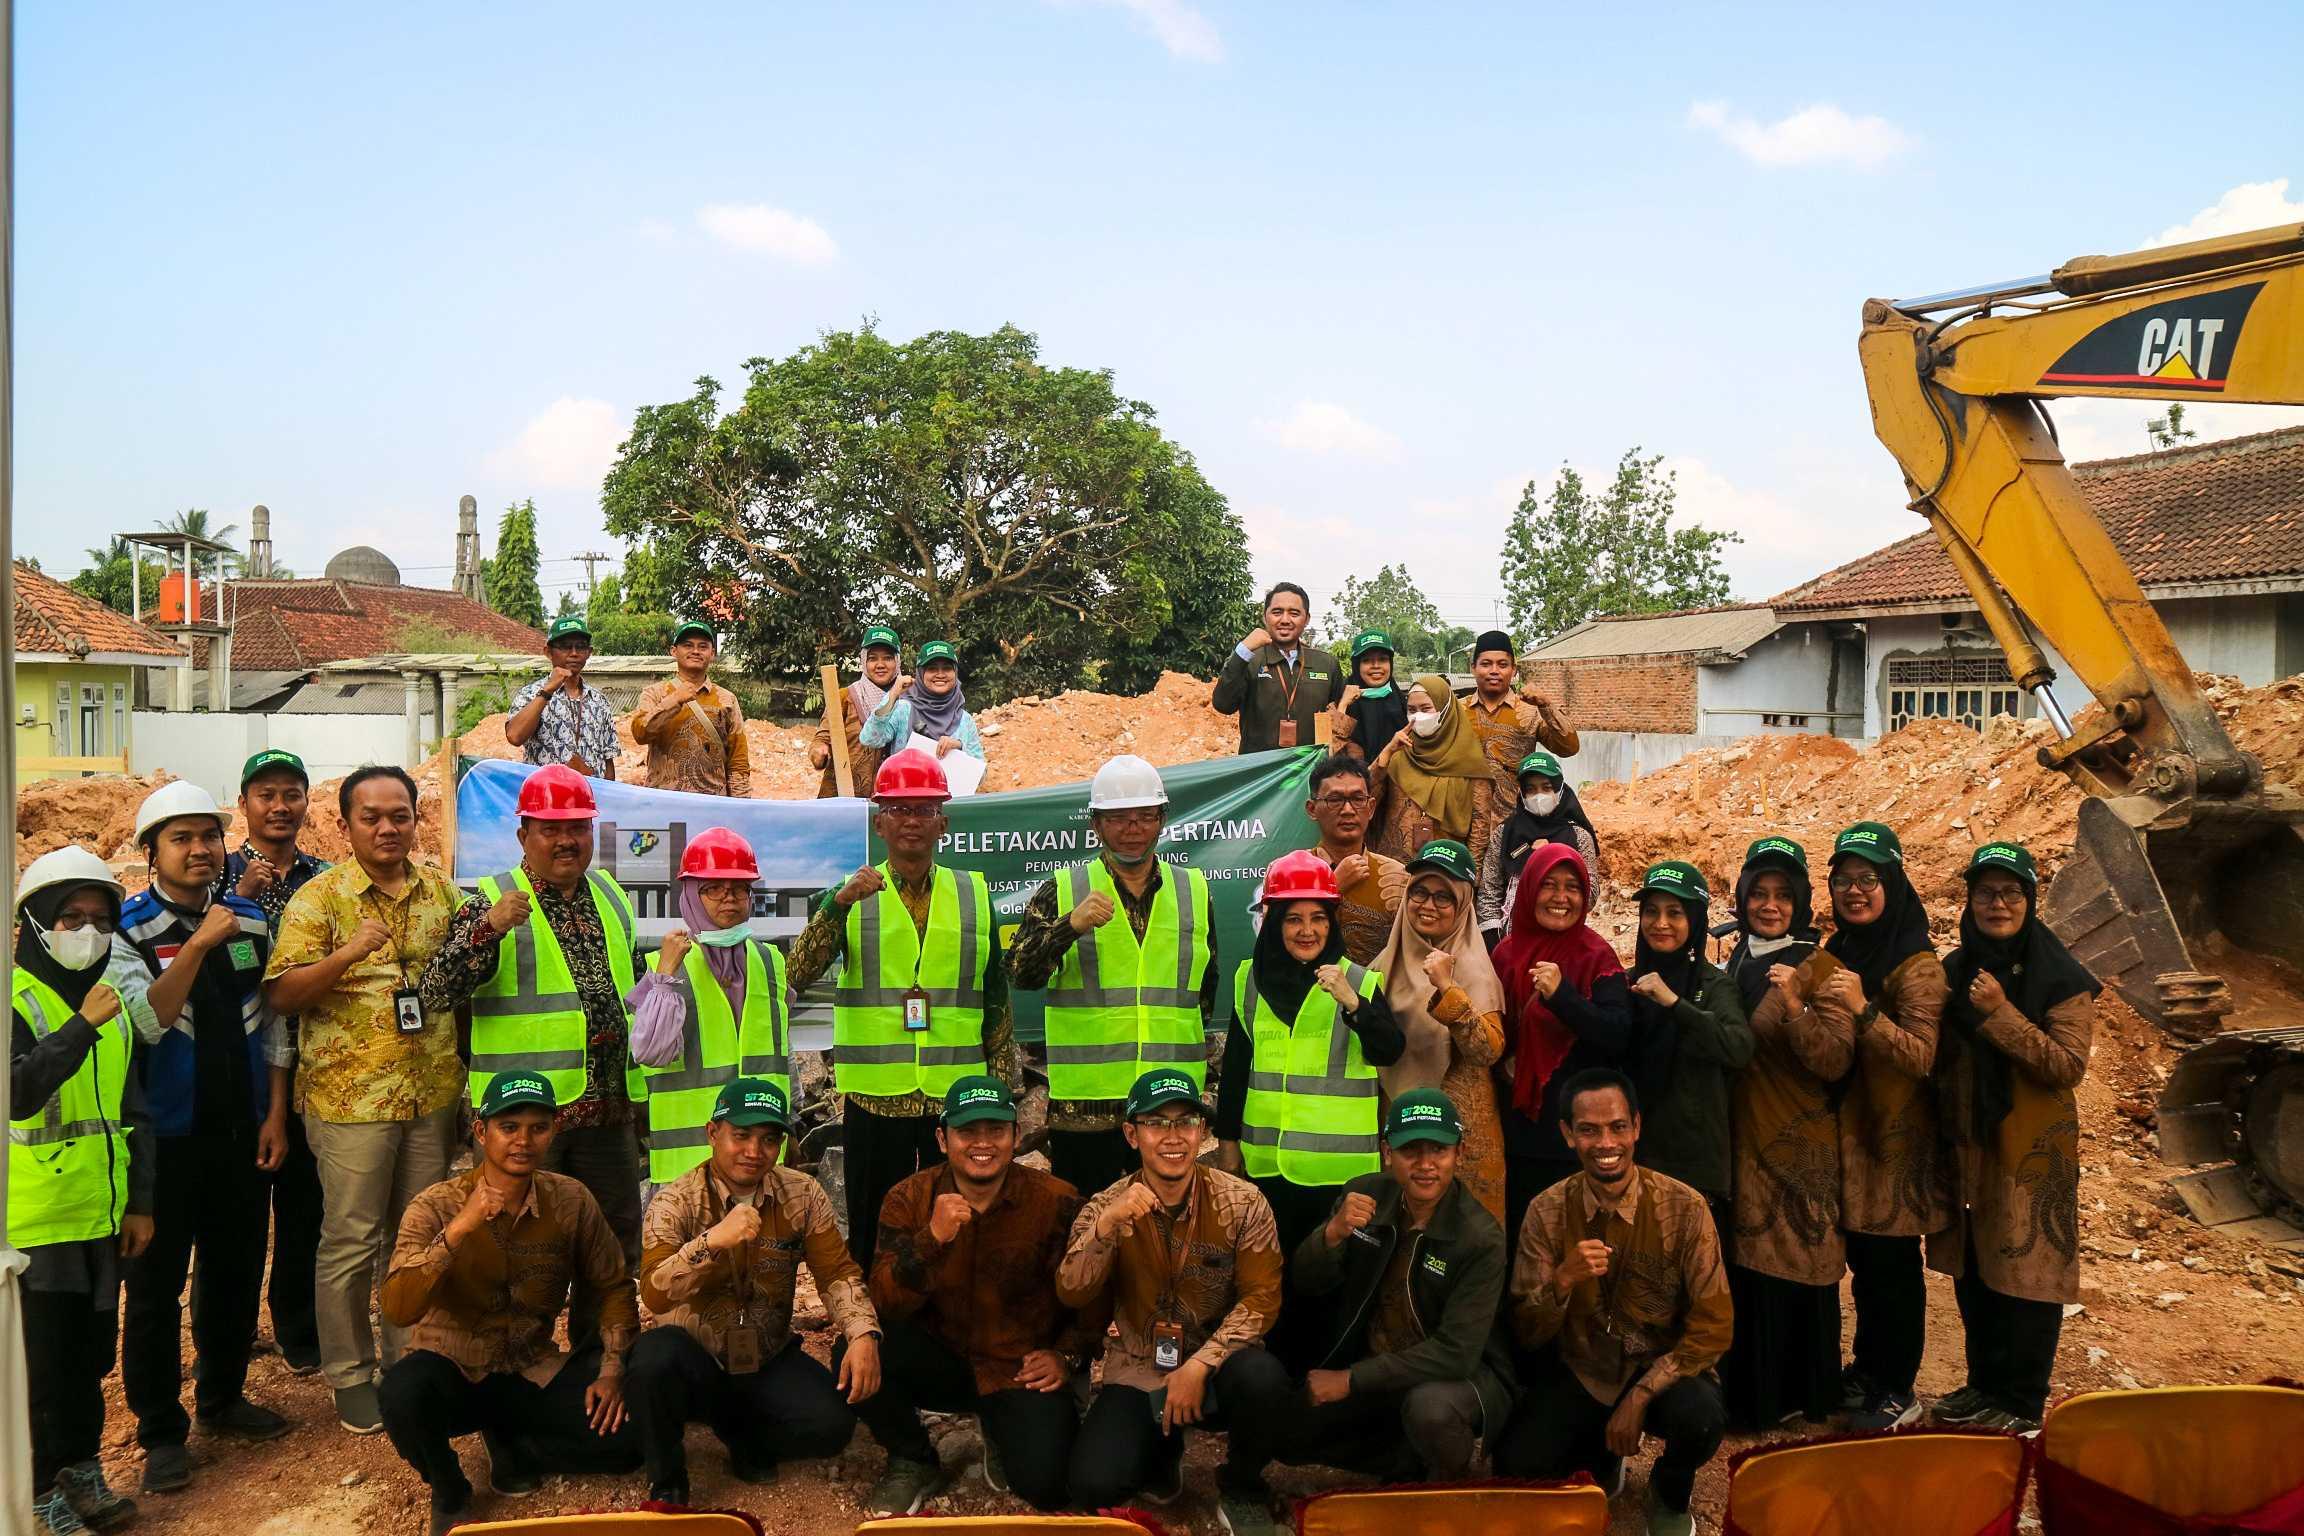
1424 722
76 949
725 938
1542 803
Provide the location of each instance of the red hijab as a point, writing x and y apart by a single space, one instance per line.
1542 1042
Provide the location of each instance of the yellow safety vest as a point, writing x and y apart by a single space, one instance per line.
1311 1114
886 956
1119 1007
68 1158
713 1050
527 1015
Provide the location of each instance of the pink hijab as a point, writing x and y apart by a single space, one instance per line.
1541 1042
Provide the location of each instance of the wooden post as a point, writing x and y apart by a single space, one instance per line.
448 746
835 726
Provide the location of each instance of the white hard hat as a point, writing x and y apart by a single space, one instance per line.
1125 783
68 865
169 801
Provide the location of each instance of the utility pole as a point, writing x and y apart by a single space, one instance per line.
590 559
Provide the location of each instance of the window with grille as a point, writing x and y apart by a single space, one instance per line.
1968 688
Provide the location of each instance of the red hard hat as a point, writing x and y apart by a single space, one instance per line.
911 775
1300 876
718 854
557 792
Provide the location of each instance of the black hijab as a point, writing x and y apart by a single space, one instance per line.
1282 980
1875 948
1750 971
1657 1027
1377 717
2037 972
1525 831
43 907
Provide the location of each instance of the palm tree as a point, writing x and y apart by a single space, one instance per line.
195 523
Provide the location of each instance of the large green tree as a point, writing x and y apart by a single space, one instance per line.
1574 552
110 580
954 485
1391 601
510 574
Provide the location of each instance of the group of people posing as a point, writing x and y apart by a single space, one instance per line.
1465 1177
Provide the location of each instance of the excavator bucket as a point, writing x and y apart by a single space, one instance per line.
2241 1097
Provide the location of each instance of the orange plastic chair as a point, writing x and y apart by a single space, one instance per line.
1910 1483
634 1522
1468 1509
2174 1460
1002 1525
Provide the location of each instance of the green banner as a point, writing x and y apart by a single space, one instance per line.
1229 819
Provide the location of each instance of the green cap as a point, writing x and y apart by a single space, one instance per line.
881 634
752 1101
510 1090
562 628
1675 877
2012 857
978 1098
687 627
938 650
1162 1085
1873 841
269 759
1370 640
1423 1114
1544 763
1449 857
1777 849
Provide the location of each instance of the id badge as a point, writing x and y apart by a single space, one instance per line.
1167 1345
916 1010
1288 732
743 1350
407 1011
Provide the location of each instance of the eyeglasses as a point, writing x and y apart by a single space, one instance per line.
1420 896
1866 882
1143 818
910 810
1167 1125
1997 896
1344 802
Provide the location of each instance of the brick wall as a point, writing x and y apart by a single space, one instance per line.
1599 694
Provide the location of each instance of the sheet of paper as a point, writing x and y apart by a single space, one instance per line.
964 773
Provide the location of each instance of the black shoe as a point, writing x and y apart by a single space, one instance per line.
672 1491
752 1469
509 1472
449 1505
167 1468
303 1359
242 1420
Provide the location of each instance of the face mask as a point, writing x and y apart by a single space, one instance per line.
77 949
1542 803
1382 692
1425 723
725 938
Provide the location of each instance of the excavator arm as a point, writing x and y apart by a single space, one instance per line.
2184 848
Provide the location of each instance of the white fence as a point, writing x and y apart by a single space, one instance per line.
1606 755
209 749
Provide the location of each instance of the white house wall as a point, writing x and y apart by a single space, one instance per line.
1789 673
208 749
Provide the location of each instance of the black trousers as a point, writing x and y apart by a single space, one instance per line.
605 1159
1033 1431
295 1247
1122 1447
1560 1429
789 1407
877 1153
1427 1432
428 1402
1306 1327
1786 1356
68 1347
1091 1161
1888 1283
209 1198
2011 1341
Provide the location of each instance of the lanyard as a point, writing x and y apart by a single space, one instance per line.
1170 1232
396 927
1288 678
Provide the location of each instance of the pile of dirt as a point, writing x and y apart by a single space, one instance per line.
99 814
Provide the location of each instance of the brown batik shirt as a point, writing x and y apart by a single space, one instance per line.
684 1284
701 749
1509 730
1785 1138
1892 1174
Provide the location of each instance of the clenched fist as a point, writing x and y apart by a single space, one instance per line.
257 878
676 947
950 1215
219 925
508 911
1331 981
1845 988
738 1227
1588 1260
483 1205
1351 870
1119 1219
1353 1212
1439 969
1986 993
1786 980
1544 976
368 938
101 1005
1654 988
865 882
1094 911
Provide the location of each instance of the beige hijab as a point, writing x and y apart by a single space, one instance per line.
1430 1047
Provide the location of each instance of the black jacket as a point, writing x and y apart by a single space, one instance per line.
1256 693
1456 1277
1684 1111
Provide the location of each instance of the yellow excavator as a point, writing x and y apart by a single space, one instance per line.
2182 839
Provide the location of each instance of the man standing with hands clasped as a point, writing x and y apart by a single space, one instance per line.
556 719
692 727
1273 681
1619 1283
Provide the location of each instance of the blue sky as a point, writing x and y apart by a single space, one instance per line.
1376 266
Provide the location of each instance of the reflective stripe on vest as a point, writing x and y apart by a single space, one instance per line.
1119 1007
714 1049
68 1158
1311 1115
872 1051
527 1016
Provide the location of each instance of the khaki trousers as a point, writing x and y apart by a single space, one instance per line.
368 1174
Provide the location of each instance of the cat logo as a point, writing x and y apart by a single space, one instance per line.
2185 344
641 843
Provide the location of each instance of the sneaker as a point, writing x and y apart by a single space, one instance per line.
672 1491
1886 1410
53 1515
449 1505
905 1487
1855 1390
242 1420
2001 1421
91 1498
1245 1513
508 1471
1961 1407
1167 1482
995 1475
1669 1522
358 1409
167 1468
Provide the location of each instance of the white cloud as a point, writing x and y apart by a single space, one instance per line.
1179 28
2114 429
656 231
570 443
2251 205
771 231
1817 135
1330 430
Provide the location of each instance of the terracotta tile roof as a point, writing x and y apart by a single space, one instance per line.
52 617
293 626
2216 512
